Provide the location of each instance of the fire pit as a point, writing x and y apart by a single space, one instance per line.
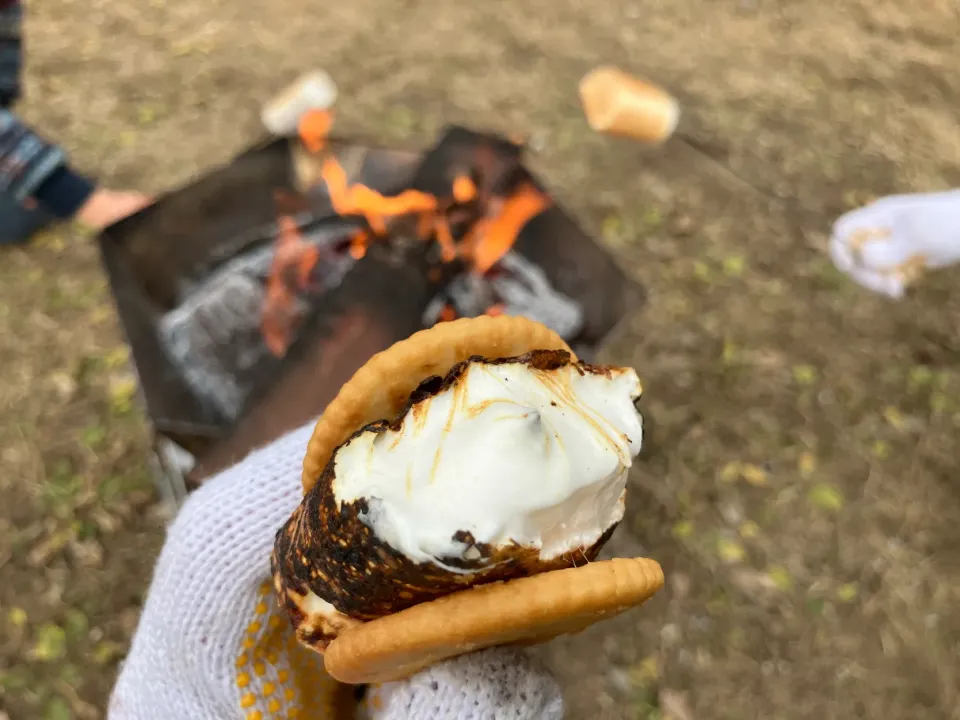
250 296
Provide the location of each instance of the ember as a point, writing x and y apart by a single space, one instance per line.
295 258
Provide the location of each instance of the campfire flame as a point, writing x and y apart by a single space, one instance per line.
293 263
493 236
494 223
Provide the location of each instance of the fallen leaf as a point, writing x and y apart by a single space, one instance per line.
826 497
730 472
880 449
895 419
77 625
749 530
733 266
804 374
57 709
106 652
730 551
780 578
652 218
611 228
848 592
920 376
51 643
146 114
683 529
16 678
754 474
701 270
646 670
101 314
807 464
122 393
48 547
127 138
17 617
117 358
730 352
71 675
939 401
94 435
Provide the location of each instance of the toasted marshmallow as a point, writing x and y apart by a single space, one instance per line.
506 454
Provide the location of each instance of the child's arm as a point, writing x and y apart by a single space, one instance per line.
30 167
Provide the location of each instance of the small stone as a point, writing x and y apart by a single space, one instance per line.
670 634
674 705
731 513
64 385
683 225
620 680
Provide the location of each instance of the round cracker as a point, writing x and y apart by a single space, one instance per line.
523 611
380 389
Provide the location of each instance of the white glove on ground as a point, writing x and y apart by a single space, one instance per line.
211 644
886 246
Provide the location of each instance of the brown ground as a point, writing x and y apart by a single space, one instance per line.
799 484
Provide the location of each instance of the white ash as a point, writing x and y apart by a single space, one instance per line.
214 336
520 286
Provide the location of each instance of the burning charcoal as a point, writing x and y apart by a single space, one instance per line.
193 277
227 326
515 286
491 161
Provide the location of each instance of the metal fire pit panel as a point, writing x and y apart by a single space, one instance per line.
158 260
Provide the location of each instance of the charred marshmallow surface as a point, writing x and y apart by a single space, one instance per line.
510 454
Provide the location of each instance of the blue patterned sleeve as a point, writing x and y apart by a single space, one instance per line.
30 167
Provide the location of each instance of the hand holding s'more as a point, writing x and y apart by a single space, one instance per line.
457 493
445 511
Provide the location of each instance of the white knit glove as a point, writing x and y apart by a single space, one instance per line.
211 644
886 246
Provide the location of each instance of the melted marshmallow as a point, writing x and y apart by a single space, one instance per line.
508 453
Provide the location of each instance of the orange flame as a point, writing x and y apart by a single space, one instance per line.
491 238
463 189
293 263
314 129
484 243
377 209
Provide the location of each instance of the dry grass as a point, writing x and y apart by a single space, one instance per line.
799 482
